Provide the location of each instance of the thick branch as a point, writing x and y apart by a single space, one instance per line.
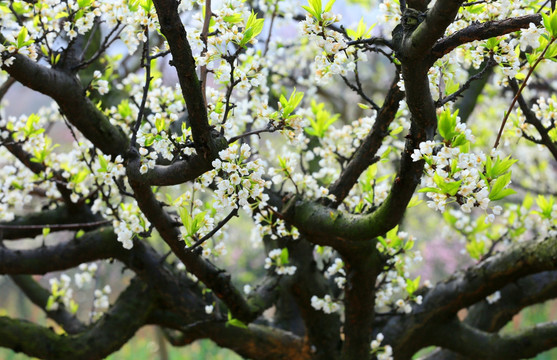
322 330
39 296
530 290
362 268
180 172
419 44
66 90
217 280
477 344
100 244
482 31
471 286
366 152
182 59
527 291
105 337
175 291
255 342
464 289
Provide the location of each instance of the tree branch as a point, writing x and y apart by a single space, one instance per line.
482 31
532 119
58 219
418 45
406 333
477 344
105 337
66 90
100 244
217 280
39 296
530 290
182 59
370 144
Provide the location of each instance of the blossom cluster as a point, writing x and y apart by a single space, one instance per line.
454 175
61 293
325 304
240 180
396 290
382 352
279 259
335 57
129 223
100 301
337 268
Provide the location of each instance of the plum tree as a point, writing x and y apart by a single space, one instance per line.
191 121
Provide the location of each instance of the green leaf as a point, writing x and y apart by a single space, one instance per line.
414 202
553 19
329 5
310 10
459 140
80 176
84 3
233 19
146 5
545 205
237 323
447 124
446 187
498 186
546 22
50 302
290 105
492 43
149 140
73 306
476 249
283 259
429 189
159 124
103 162
21 37
19 7
253 27
449 218
412 285
528 201
494 169
396 130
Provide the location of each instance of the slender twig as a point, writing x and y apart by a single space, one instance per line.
474 3
540 58
6 86
89 40
161 54
204 35
199 242
56 226
360 92
270 29
454 96
147 64
268 129
105 45
372 41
